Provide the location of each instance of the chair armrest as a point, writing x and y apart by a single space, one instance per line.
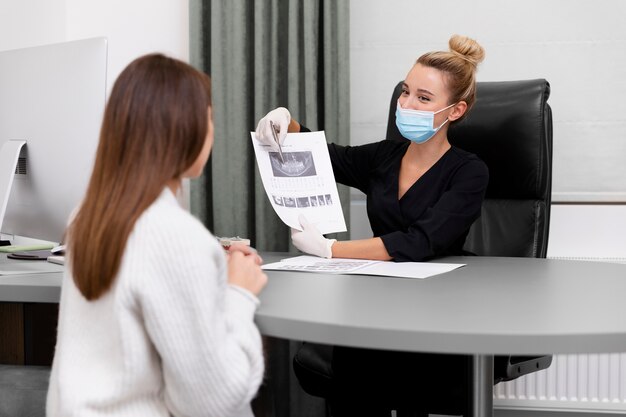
506 368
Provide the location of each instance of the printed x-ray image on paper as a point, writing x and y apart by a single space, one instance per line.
301 182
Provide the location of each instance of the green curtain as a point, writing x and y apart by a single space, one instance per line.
261 55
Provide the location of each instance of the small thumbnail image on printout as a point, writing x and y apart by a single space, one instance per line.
277 200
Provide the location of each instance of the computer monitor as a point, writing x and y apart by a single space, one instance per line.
52 97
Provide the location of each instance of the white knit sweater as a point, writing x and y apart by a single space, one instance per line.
171 337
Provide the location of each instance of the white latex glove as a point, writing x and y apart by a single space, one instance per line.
281 119
310 240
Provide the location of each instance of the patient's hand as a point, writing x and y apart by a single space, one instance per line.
246 250
245 271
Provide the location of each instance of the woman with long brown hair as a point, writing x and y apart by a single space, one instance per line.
155 319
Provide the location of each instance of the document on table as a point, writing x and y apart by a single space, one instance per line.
302 183
307 263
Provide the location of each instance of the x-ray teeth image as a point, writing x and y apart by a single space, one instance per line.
329 201
303 201
297 164
320 199
277 200
313 200
289 201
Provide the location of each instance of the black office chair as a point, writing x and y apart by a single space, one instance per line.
510 129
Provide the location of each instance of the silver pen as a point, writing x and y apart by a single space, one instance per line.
275 134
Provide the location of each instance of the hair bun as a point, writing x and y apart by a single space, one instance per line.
467 48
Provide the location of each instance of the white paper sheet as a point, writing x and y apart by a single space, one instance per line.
303 184
307 263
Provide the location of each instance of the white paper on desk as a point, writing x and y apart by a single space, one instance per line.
303 184
307 263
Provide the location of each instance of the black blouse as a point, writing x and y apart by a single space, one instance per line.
433 217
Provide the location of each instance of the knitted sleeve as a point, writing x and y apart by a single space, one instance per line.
202 328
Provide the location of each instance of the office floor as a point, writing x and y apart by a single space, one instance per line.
23 390
23 394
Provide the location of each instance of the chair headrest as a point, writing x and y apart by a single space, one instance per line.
510 129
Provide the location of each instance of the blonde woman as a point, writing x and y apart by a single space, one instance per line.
423 195
155 319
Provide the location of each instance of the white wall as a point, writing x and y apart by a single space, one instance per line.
133 28
31 22
579 47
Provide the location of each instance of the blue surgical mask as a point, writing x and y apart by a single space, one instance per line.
417 125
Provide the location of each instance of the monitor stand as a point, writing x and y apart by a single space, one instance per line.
9 155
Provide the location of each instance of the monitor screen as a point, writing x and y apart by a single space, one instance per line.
53 98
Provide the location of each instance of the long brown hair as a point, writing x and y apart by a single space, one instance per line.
459 65
154 126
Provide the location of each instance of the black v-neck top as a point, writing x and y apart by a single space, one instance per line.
433 217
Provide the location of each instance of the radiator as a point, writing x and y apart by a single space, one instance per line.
589 382
585 382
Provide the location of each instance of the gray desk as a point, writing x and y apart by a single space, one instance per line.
28 311
474 310
31 288
576 308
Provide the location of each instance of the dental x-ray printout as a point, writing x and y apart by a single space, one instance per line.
306 263
302 182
